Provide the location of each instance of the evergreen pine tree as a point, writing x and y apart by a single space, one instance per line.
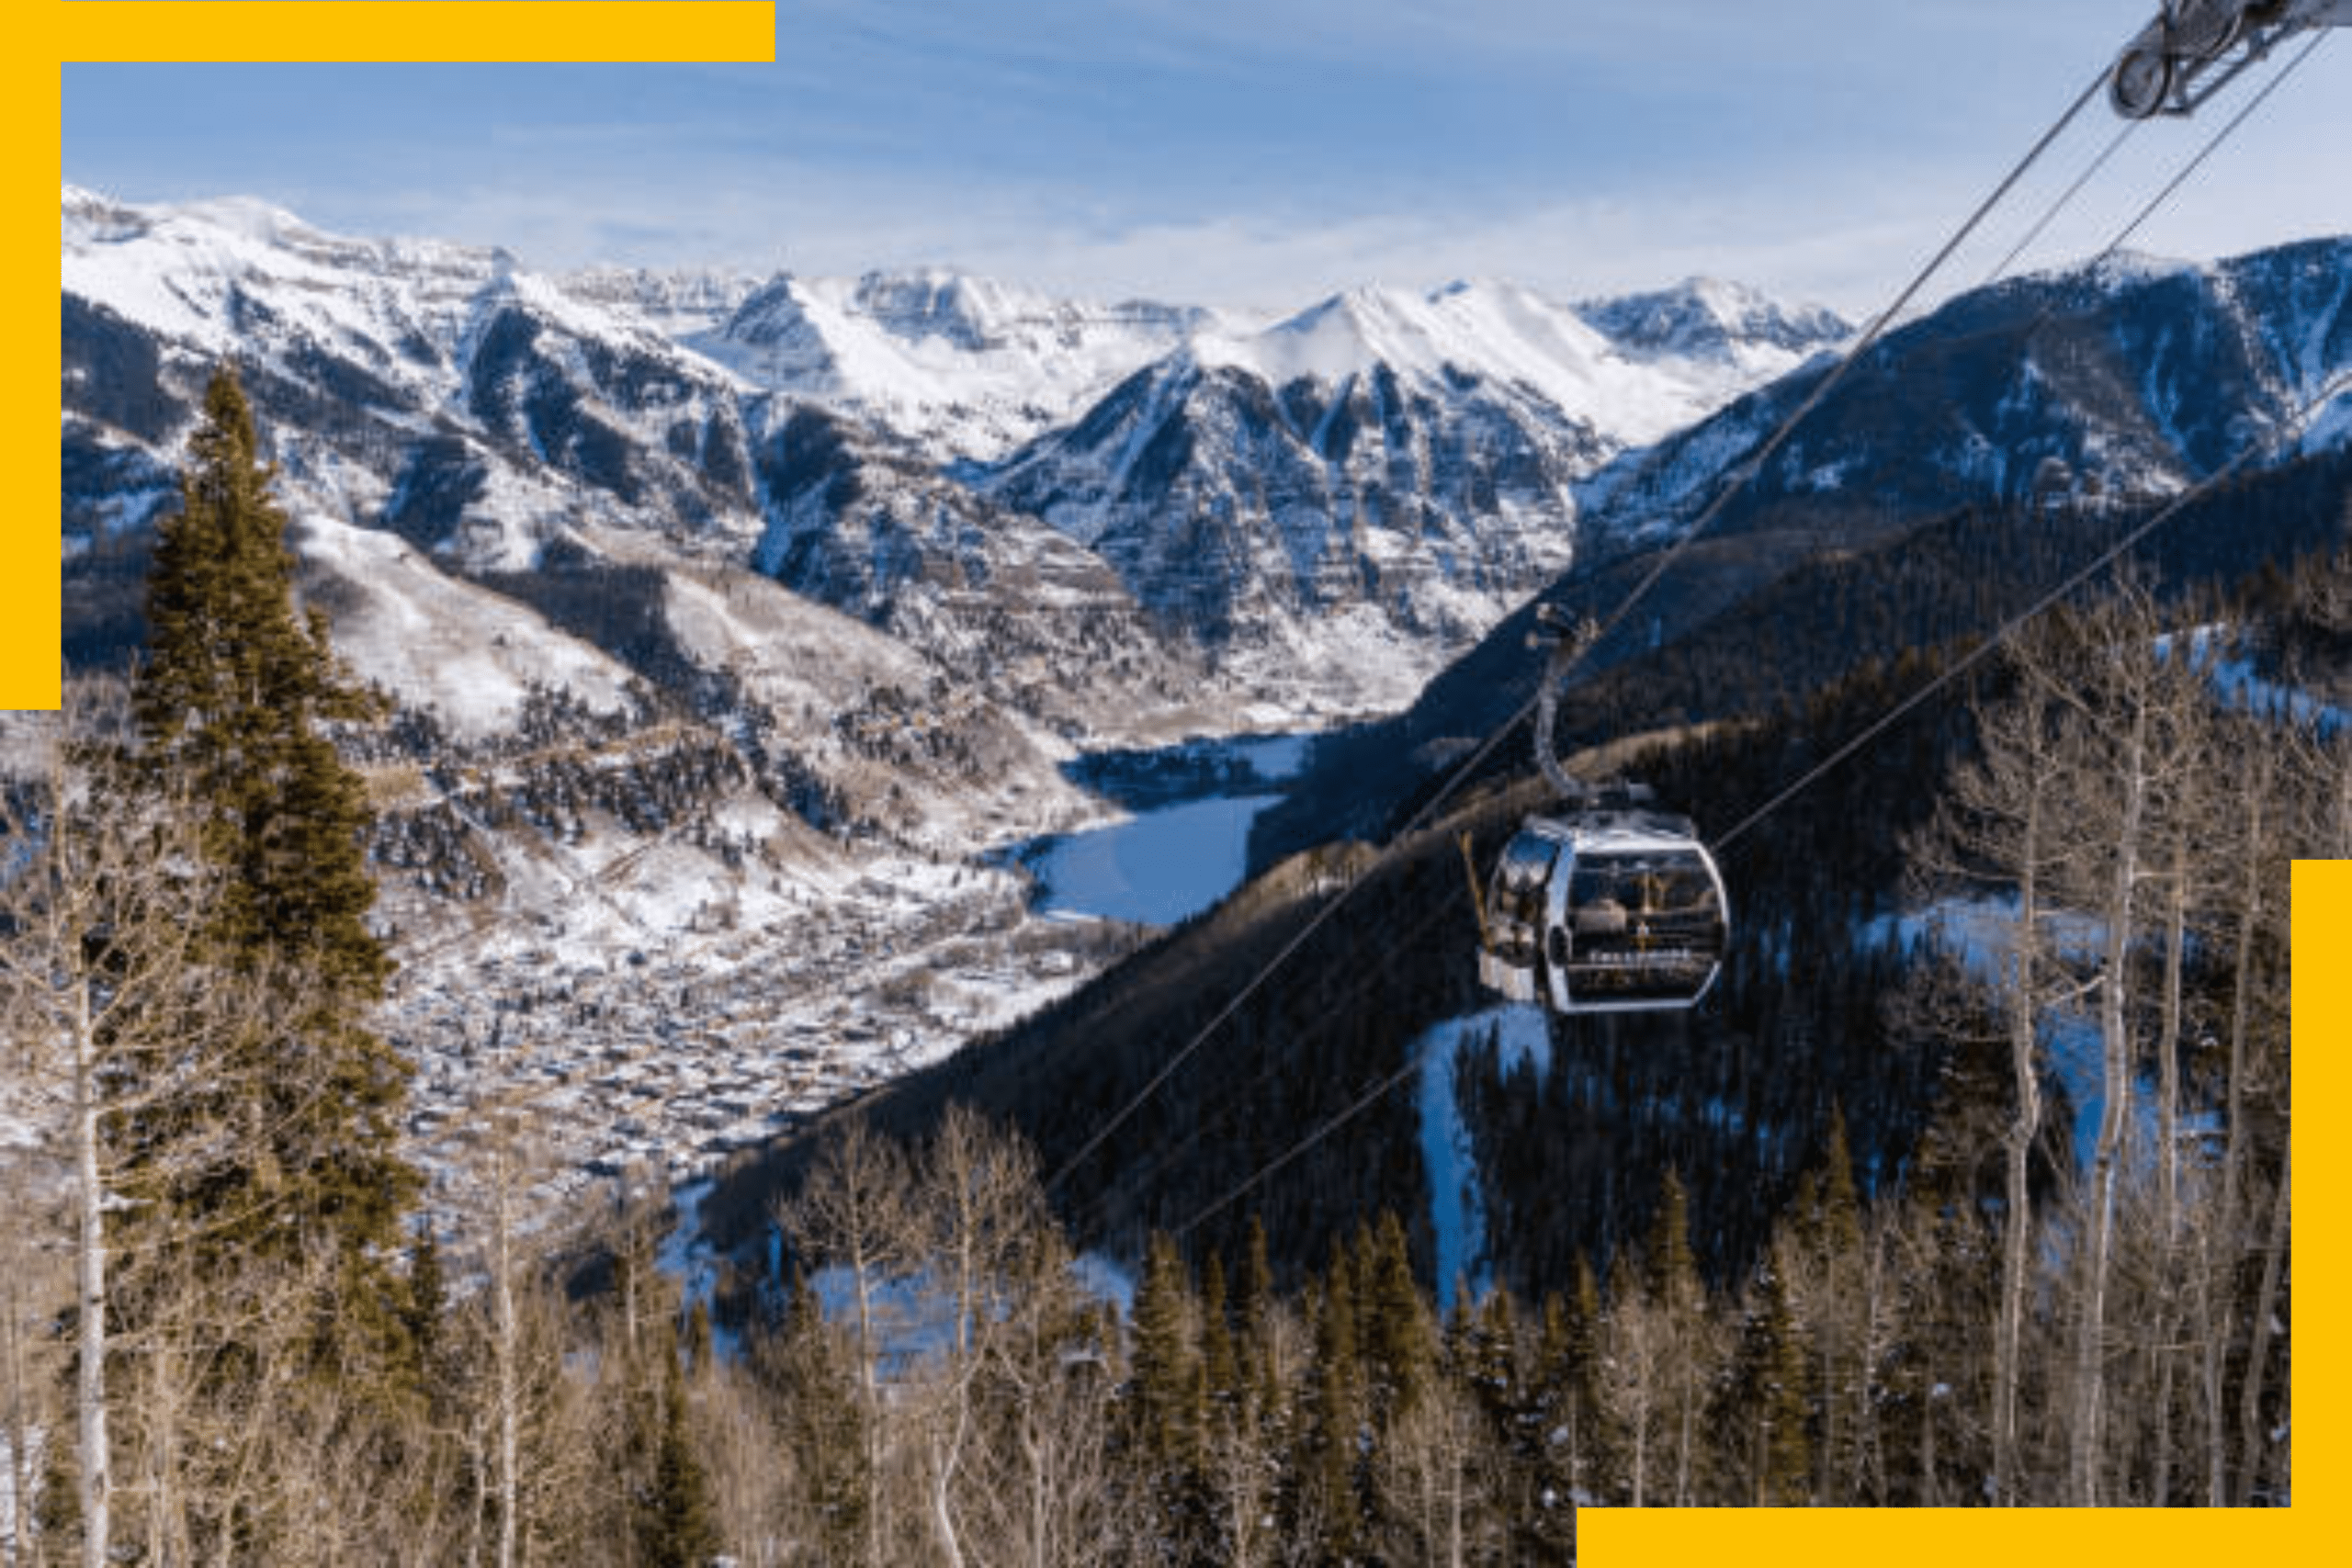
1762 1407
1557 1438
817 1401
428 1293
1401 1339
700 1353
1336 1437
229 704
1487 1357
1169 1396
1671 1272
1255 1309
1220 1365
1165 1375
678 1528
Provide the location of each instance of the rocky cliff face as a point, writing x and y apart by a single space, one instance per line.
1124 521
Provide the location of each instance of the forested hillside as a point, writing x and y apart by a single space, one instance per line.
1841 1138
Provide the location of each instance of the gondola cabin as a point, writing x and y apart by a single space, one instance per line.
1604 912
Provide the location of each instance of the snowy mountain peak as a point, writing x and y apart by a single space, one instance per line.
1711 319
966 366
971 313
1480 330
681 301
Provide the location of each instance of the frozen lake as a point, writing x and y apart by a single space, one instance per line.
1174 857
1156 868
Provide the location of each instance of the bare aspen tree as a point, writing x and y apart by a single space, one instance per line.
2266 1324
2130 713
30 1290
500 1159
2086 1456
977 1207
101 986
1043 1484
1634 1369
852 1215
1435 1476
2251 836
2000 823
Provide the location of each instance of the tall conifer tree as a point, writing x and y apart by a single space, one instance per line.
230 706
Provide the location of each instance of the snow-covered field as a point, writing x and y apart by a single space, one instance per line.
1457 1215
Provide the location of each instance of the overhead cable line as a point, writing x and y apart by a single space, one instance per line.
2340 386
2065 199
1738 483
2335 387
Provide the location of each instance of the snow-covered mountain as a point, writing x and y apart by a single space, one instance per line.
1707 320
2127 381
957 366
1384 472
1124 520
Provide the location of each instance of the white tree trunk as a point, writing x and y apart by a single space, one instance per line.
2266 1307
2090 1345
509 1413
90 1292
2018 1221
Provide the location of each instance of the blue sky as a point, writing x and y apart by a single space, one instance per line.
1232 151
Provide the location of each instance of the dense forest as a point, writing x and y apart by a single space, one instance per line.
1971 1186
1872 1003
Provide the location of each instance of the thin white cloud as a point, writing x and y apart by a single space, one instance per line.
887 174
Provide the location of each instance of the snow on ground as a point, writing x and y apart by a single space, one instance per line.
2238 686
913 1315
1981 933
1457 1215
443 644
2330 428
686 1257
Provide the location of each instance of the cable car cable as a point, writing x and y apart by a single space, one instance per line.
2009 629
2340 386
1736 482
2214 142
2336 387
1238 1097
2114 146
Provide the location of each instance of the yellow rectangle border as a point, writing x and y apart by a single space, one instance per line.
415 31
569 30
77 32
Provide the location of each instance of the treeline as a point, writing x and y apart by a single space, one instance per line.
2067 1287
2072 1237
1749 623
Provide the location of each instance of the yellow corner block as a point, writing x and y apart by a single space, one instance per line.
1957 1538
650 31
67 31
